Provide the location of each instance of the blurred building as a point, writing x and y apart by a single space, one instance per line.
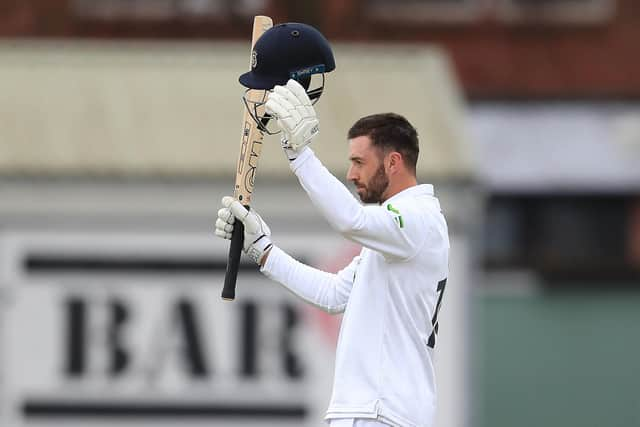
542 170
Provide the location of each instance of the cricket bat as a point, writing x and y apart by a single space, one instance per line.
250 149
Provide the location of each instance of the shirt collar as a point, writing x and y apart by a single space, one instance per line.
416 190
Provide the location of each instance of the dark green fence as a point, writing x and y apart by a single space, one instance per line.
557 360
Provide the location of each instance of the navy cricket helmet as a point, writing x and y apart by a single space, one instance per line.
288 51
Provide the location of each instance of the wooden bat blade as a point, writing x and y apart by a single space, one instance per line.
250 149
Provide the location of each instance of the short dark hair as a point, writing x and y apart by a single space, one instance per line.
389 131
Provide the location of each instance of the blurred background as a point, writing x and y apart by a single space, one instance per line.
119 129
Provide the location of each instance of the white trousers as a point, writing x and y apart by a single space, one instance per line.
356 422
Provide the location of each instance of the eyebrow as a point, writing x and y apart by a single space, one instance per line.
352 158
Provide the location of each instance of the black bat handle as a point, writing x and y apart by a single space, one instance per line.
233 262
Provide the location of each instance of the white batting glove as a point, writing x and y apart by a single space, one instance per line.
256 231
295 116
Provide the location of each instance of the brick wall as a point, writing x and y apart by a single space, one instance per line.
492 59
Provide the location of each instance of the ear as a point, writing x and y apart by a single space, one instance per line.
394 162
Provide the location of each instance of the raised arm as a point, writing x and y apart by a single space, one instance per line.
381 228
396 231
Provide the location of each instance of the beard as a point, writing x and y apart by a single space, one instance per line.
373 191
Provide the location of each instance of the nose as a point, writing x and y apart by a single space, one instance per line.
351 175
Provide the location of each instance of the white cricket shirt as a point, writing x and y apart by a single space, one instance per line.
389 294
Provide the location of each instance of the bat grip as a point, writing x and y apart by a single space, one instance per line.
233 262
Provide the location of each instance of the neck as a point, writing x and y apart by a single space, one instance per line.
399 184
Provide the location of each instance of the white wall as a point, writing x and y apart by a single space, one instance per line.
144 108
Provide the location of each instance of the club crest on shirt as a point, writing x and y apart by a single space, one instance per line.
398 217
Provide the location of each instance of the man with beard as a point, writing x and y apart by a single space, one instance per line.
391 292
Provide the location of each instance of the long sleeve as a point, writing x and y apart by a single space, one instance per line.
397 230
327 291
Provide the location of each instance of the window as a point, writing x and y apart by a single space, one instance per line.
565 237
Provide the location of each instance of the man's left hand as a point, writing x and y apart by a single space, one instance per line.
295 116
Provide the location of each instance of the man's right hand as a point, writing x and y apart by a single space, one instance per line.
257 234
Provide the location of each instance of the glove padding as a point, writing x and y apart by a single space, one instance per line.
295 116
256 231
